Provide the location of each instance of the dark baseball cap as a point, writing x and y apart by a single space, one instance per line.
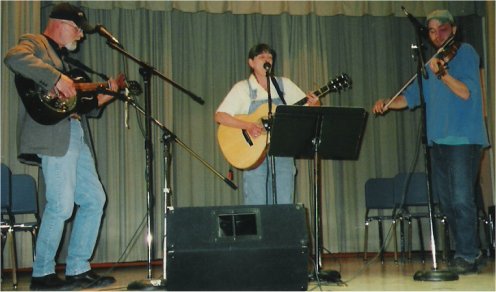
69 12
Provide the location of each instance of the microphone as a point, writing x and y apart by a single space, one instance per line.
418 26
105 33
267 66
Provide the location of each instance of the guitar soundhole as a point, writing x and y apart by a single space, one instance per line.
56 104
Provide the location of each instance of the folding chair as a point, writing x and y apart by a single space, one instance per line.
7 220
379 198
485 220
25 202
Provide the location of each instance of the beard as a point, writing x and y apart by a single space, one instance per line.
72 46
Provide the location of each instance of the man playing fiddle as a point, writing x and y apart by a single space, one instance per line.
456 135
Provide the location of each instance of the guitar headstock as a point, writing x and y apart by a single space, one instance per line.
339 83
134 88
121 81
127 88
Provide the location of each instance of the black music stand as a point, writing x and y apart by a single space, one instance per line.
318 133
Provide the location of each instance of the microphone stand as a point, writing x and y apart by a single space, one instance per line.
146 72
167 137
170 136
272 158
434 274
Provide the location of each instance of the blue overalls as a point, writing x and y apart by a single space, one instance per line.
257 183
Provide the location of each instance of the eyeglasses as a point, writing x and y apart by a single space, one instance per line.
78 29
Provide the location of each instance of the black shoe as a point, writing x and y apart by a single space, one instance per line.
480 261
462 267
49 283
90 279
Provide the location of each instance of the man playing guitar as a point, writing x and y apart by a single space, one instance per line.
64 150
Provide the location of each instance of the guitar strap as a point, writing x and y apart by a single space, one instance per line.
278 89
85 68
253 92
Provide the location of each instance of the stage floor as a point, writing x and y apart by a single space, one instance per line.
356 274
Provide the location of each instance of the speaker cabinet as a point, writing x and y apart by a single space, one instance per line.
237 248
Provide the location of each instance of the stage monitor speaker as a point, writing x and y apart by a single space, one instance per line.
237 248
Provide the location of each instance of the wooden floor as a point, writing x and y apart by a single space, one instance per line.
356 274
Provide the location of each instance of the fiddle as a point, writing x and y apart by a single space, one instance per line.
446 53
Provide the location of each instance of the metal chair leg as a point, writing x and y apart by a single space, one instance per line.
34 236
402 237
381 241
365 242
11 242
421 239
409 239
395 242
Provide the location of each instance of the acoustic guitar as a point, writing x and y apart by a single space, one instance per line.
246 152
48 108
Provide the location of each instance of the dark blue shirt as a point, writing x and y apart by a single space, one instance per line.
450 119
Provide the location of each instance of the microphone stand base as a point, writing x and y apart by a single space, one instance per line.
148 285
329 276
435 275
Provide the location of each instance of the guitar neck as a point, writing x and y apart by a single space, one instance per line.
90 86
320 92
95 86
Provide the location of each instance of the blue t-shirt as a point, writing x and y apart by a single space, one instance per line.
450 119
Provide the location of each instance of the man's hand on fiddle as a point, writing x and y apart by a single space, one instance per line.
438 66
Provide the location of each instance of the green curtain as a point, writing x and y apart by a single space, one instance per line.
320 8
16 18
205 51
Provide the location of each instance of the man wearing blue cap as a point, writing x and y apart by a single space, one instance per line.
63 150
456 134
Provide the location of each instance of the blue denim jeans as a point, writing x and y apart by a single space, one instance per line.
70 179
257 183
455 170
